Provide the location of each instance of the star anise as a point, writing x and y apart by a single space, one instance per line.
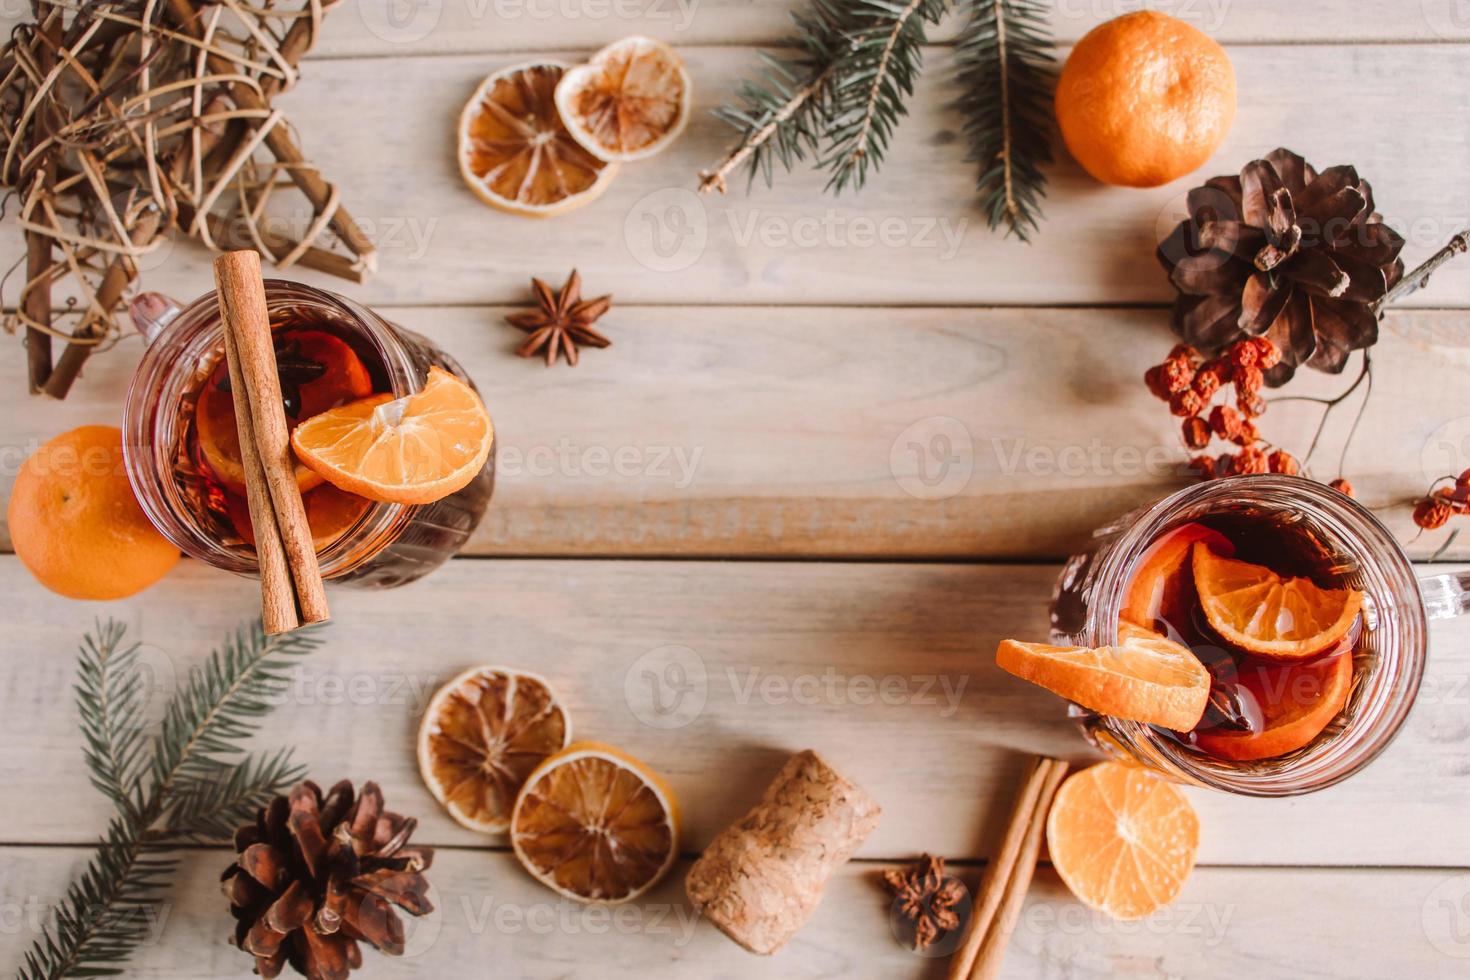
294 369
926 898
561 321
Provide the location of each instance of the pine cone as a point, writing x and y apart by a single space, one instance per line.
1287 252
316 875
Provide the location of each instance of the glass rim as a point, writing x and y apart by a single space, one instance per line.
1386 706
195 327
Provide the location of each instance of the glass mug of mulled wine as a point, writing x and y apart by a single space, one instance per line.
1279 721
182 450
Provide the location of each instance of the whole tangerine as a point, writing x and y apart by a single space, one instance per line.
75 523
1144 99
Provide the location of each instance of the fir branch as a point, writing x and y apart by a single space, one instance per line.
1006 73
871 82
195 782
781 115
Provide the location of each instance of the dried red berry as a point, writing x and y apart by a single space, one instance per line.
1186 403
1196 432
1282 462
1154 379
1251 406
1246 434
1463 480
1177 375
1224 421
1432 513
1204 466
1248 380
1268 355
1184 352
1250 460
1342 486
1243 354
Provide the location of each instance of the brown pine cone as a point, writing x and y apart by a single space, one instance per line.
317 875
1285 252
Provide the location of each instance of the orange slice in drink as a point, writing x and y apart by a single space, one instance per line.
1161 587
1122 838
482 735
1146 677
594 824
514 151
412 450
1258 611
219 440
630 101
1295 701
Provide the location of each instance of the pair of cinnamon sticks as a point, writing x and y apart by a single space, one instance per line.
1008 877
291 590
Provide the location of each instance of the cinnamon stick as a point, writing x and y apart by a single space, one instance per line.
1008 877
244 315
277 595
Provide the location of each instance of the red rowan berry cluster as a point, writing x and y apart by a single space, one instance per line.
1189 383
1435 510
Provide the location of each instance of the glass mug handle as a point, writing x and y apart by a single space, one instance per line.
1446 596
152 312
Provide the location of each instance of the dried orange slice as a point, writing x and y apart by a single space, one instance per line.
1258 611
594 824
482 735
1146 677
630 101
412 450
516 154
1122 839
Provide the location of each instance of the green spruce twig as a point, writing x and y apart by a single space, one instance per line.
1006 75
193 781
871 83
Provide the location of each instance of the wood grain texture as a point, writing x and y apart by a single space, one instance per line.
887 670
864 433
1227 923
385 27
913 236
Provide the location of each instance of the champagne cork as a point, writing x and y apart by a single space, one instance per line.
761 879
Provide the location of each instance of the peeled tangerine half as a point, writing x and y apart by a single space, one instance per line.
594 824
411 450
483 734
1260 612
1146 677
1122 838
516 154
630 101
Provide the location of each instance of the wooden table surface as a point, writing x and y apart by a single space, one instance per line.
816 462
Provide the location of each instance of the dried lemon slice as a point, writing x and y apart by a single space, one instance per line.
516 154
630 101
594 824
482 735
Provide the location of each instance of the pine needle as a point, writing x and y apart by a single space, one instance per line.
194 781
1006 73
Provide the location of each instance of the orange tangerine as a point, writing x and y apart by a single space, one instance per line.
1122 838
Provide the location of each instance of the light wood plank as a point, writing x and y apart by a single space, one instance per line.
886 668
724 431
914 236
1227 923
371 27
